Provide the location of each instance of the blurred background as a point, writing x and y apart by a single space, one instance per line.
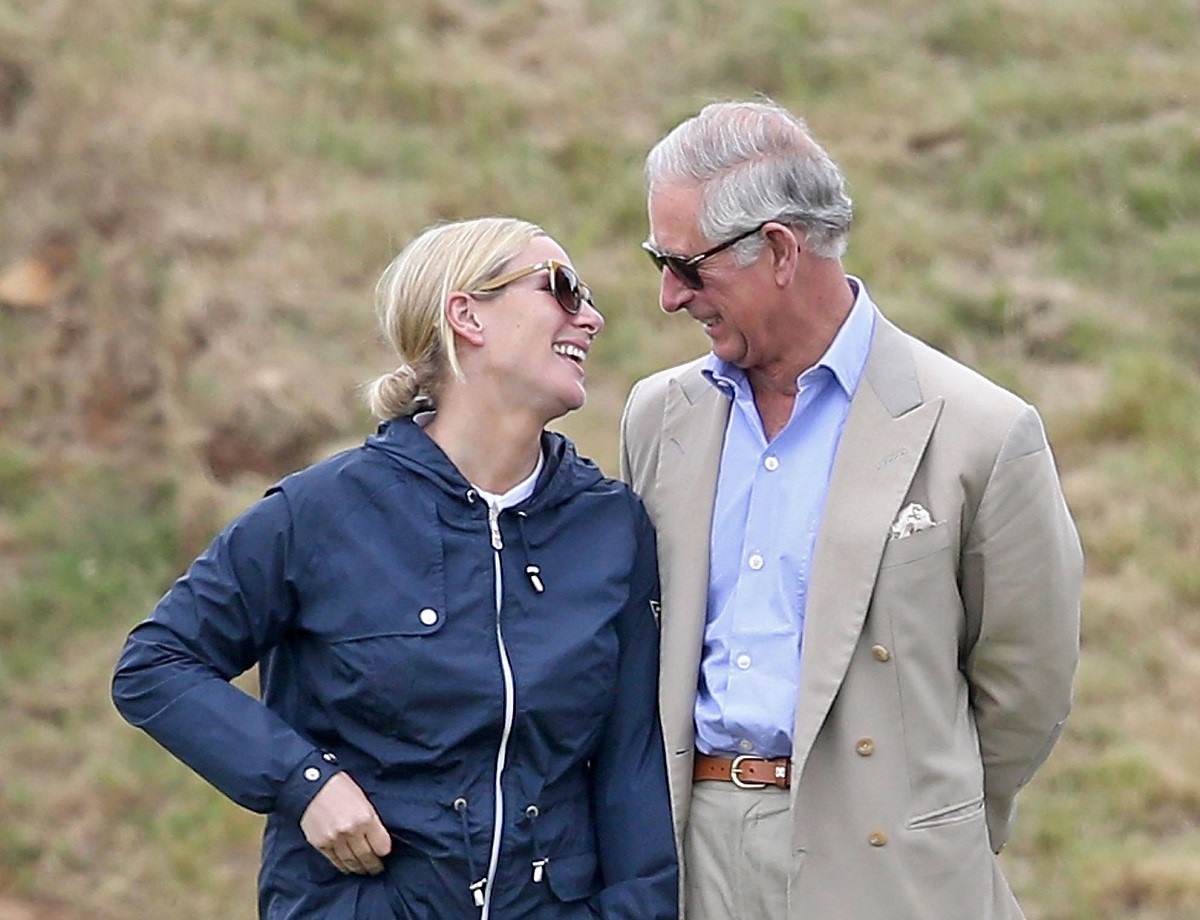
196 197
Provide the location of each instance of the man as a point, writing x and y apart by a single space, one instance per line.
870 578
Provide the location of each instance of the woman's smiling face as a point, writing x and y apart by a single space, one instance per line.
533 350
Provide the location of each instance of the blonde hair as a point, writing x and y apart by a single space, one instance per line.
410 300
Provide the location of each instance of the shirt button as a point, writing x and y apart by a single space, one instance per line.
877 839
865 747
771 463
312 774
743 661
880 653
428 616
756 562
745 745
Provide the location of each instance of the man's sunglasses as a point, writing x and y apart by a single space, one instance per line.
687 268
568 290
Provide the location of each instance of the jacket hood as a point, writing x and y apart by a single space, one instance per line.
564 473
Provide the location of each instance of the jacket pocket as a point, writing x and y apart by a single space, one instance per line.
372 674
573 878
901 550
289 854
951 814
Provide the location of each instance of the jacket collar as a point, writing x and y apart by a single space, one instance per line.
564 472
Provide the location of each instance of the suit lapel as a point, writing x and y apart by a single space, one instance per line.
694 421
882 443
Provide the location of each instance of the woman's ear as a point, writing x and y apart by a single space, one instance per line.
463 318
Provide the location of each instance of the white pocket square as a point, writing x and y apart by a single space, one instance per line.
912 519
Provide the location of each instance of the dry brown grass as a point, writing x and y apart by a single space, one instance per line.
208 189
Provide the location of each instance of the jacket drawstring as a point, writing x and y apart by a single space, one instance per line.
535 577
539 861
476 887
532 571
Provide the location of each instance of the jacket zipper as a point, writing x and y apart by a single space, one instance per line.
509 707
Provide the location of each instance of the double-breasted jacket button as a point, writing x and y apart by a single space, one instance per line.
865 747
428 616
312 774
878 839
880 653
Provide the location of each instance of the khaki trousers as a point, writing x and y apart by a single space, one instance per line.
737 853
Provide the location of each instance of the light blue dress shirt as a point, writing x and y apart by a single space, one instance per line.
769 500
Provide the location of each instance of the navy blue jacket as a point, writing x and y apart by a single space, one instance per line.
489 681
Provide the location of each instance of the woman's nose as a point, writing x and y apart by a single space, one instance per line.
590 319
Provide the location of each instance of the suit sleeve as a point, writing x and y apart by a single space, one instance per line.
1022 573
173 677
625 440
635 839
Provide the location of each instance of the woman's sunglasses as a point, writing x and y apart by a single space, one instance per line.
568 290
687 268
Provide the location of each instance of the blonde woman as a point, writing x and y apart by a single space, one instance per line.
455 625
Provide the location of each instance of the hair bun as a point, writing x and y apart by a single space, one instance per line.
394 394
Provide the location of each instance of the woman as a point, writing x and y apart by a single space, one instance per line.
455 626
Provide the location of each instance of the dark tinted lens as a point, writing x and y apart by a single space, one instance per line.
685 272
565 285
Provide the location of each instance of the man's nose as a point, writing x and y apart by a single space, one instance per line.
672 293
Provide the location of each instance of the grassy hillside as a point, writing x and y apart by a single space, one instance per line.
197 195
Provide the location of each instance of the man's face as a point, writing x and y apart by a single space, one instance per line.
734 302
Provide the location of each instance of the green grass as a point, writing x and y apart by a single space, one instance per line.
87 543
1027 179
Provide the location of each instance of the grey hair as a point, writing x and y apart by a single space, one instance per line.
410 301
756 162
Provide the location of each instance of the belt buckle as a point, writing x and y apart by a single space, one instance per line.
735 770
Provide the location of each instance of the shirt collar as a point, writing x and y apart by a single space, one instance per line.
518 493
845 358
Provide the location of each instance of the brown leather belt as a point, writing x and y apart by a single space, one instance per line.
745 772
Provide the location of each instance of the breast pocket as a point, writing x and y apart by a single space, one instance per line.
923 543
374 672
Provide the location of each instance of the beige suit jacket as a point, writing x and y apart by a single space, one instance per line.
936 669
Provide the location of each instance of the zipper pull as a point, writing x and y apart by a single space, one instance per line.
539 866
494 527
535 577
477 891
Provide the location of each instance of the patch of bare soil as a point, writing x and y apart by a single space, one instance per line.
11 909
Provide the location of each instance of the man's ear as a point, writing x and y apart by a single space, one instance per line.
463 318
785 252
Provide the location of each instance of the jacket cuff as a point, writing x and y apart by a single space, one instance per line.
304 782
